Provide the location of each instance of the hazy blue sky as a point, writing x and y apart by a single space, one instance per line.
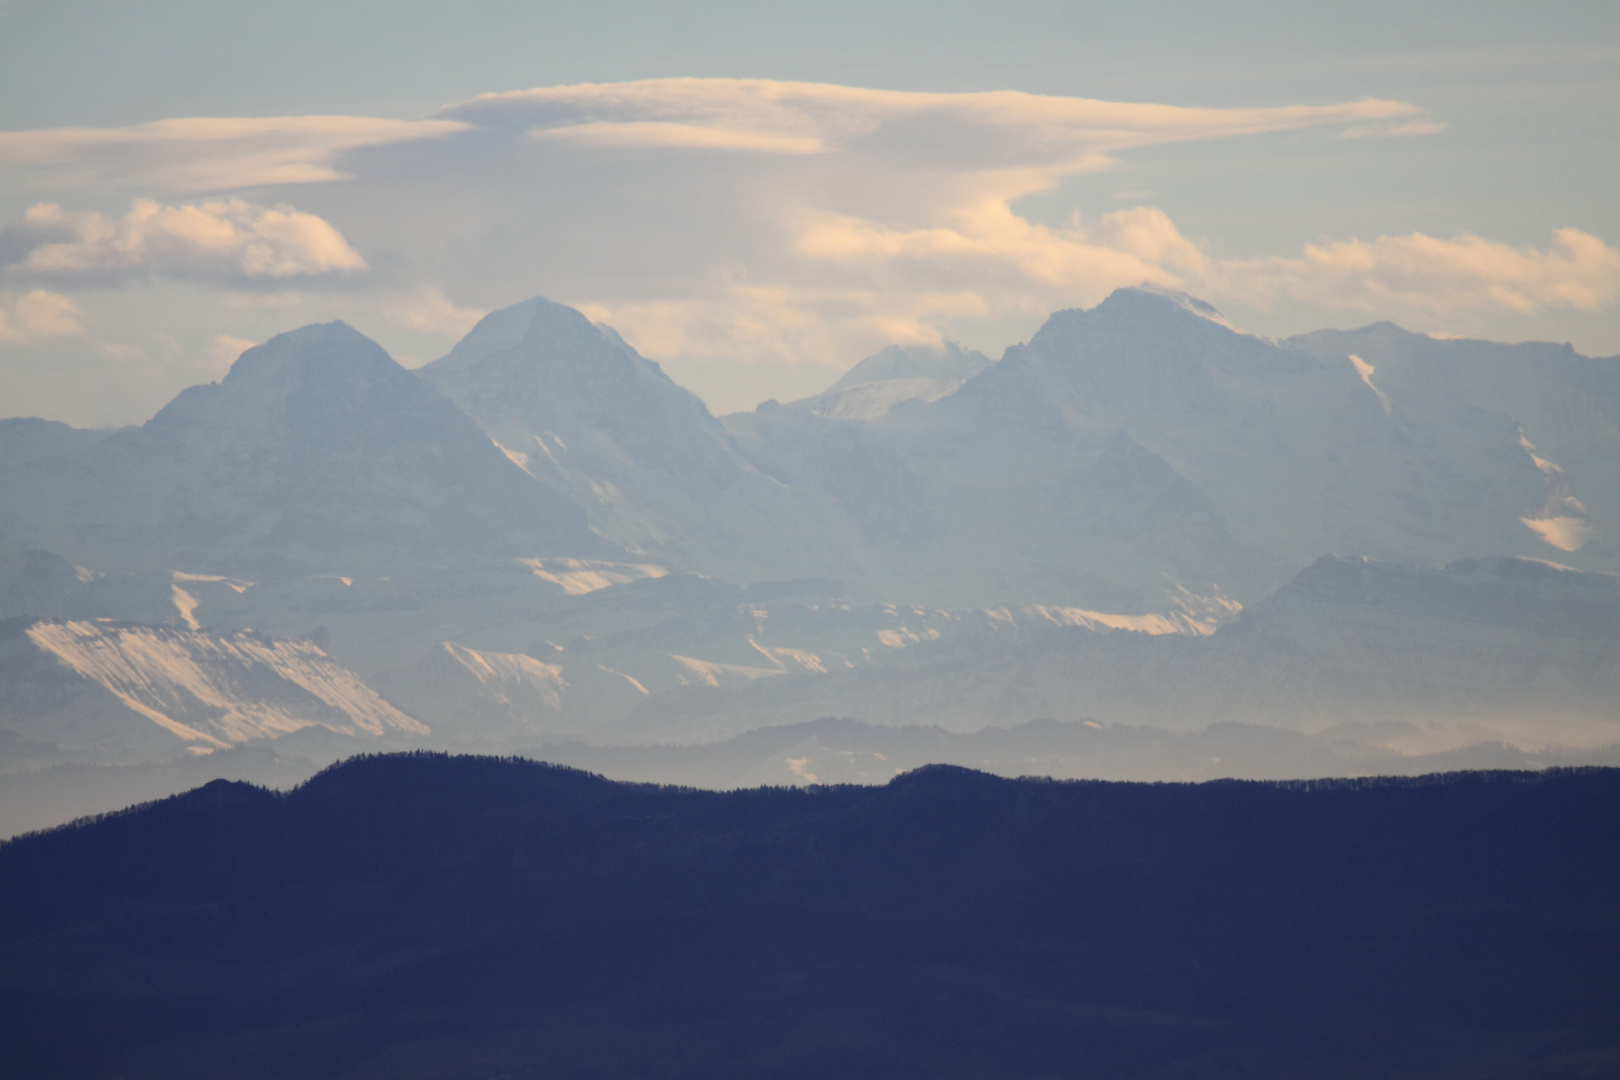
1449 166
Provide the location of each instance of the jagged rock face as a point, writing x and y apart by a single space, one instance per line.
583 412
126 689
316 450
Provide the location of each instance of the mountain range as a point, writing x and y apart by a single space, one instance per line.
1142 519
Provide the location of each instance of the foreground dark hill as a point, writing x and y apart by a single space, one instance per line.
423 916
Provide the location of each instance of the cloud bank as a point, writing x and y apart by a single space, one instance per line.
746 219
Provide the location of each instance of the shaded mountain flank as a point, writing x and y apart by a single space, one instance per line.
586 414
316 452
421 916
1145 438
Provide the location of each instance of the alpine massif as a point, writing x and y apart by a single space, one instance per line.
1143 544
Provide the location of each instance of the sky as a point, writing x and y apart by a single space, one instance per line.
757 195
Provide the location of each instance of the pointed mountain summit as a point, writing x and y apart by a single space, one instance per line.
538 372
1300 452
586 414
316 451
1139 350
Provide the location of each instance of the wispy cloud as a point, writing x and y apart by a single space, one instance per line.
1406 128
993 130
197 154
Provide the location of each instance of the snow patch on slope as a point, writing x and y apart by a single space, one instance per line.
1562 520
219 690
576 577
1365 370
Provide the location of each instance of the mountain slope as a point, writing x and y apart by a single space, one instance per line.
1566 408
316 451
122 688
1146 441
505 700
583 412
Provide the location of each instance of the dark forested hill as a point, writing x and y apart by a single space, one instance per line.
425 916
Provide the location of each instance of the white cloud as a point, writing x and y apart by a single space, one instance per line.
230 241
196 154
36 316
798 118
